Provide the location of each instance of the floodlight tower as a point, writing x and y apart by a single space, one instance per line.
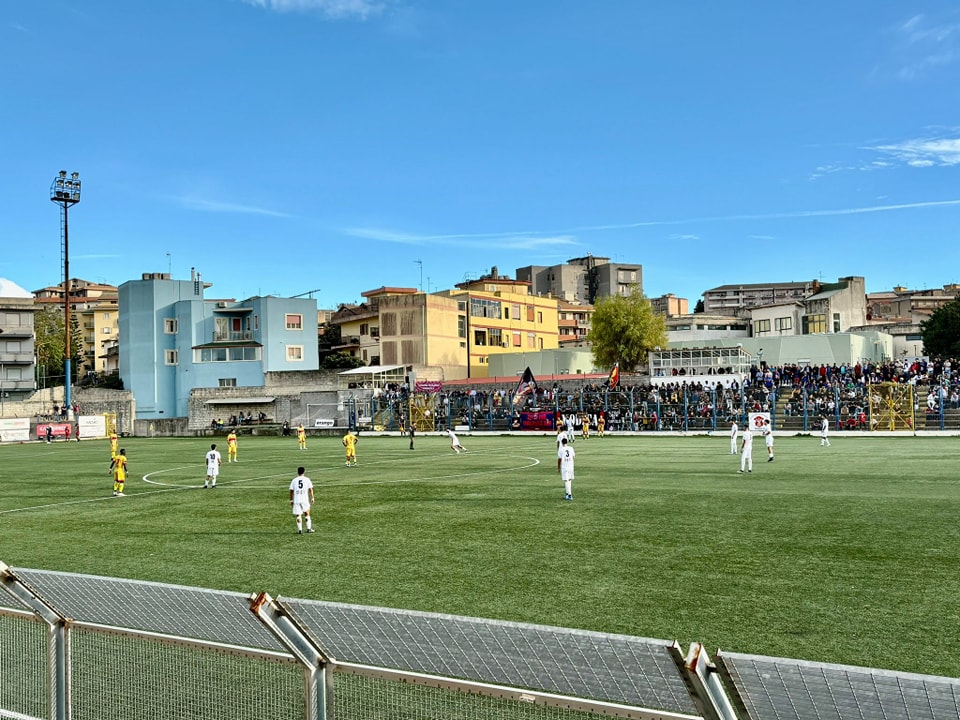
65 191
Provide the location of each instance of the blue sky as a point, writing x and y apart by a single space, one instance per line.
284 146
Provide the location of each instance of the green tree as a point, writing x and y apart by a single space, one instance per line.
624 329
941 333
49 342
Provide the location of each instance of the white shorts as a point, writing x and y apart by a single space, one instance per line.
213 470
300 508
566 475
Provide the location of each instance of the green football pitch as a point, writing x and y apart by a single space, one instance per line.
847 554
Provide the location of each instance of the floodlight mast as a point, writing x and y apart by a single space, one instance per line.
65 191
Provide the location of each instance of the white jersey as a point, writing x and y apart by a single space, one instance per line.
824 426
566 455
453 438
301 486
733 431
213 462
768 435
747 440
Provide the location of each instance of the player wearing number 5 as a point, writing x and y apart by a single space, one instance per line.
301 498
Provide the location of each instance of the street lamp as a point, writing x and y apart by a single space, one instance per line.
65 191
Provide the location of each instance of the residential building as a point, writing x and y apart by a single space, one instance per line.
574 323
777 319
497 315
704 328
17 356
582 280
669 305
99 328
899 312
737 299
835 307
450 334
173 340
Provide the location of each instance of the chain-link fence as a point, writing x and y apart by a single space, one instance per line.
86 647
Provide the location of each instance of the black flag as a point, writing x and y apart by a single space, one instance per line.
526 386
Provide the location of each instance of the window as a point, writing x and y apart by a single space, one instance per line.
479 337
761 326
227 382
495 337
836 322
461 326
480 307
294 353
531 340
170 326
171 357
814 324
517 340
540 317
294 322
364 328
223 354
783 323
106 316
530 314
106 331
515 312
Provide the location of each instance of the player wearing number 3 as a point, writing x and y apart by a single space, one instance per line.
301 498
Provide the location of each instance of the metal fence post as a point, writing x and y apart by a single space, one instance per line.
58 643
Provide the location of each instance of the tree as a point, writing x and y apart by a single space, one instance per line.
624 329
49 343
941 333
698 308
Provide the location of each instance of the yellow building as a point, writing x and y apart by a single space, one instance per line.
451 334
99 329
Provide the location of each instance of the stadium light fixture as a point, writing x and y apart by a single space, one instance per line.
65 191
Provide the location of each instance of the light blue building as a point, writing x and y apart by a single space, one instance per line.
172 340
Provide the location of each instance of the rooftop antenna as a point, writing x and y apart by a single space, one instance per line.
420 263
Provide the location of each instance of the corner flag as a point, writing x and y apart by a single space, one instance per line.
614 378
526 386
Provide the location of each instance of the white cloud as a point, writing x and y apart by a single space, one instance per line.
524 240
332 9
924 152
225 207
926 44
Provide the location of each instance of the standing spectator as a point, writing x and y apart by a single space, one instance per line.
232 446
565 460
213 460
301 498
118 468
49 434
746 449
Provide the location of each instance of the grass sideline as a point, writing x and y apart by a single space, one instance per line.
847 554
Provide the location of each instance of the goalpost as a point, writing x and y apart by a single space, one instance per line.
891 406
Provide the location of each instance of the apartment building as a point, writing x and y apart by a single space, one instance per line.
172 340
582 280
17 357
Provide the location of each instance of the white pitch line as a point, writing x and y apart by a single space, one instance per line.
170 487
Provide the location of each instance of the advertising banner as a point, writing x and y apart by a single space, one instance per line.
14 429
530 420
92 426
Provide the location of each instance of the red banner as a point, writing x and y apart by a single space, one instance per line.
428 386
58 430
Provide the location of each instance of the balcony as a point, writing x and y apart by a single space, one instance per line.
231 336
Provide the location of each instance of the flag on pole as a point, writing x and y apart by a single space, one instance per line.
526 386
614 378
